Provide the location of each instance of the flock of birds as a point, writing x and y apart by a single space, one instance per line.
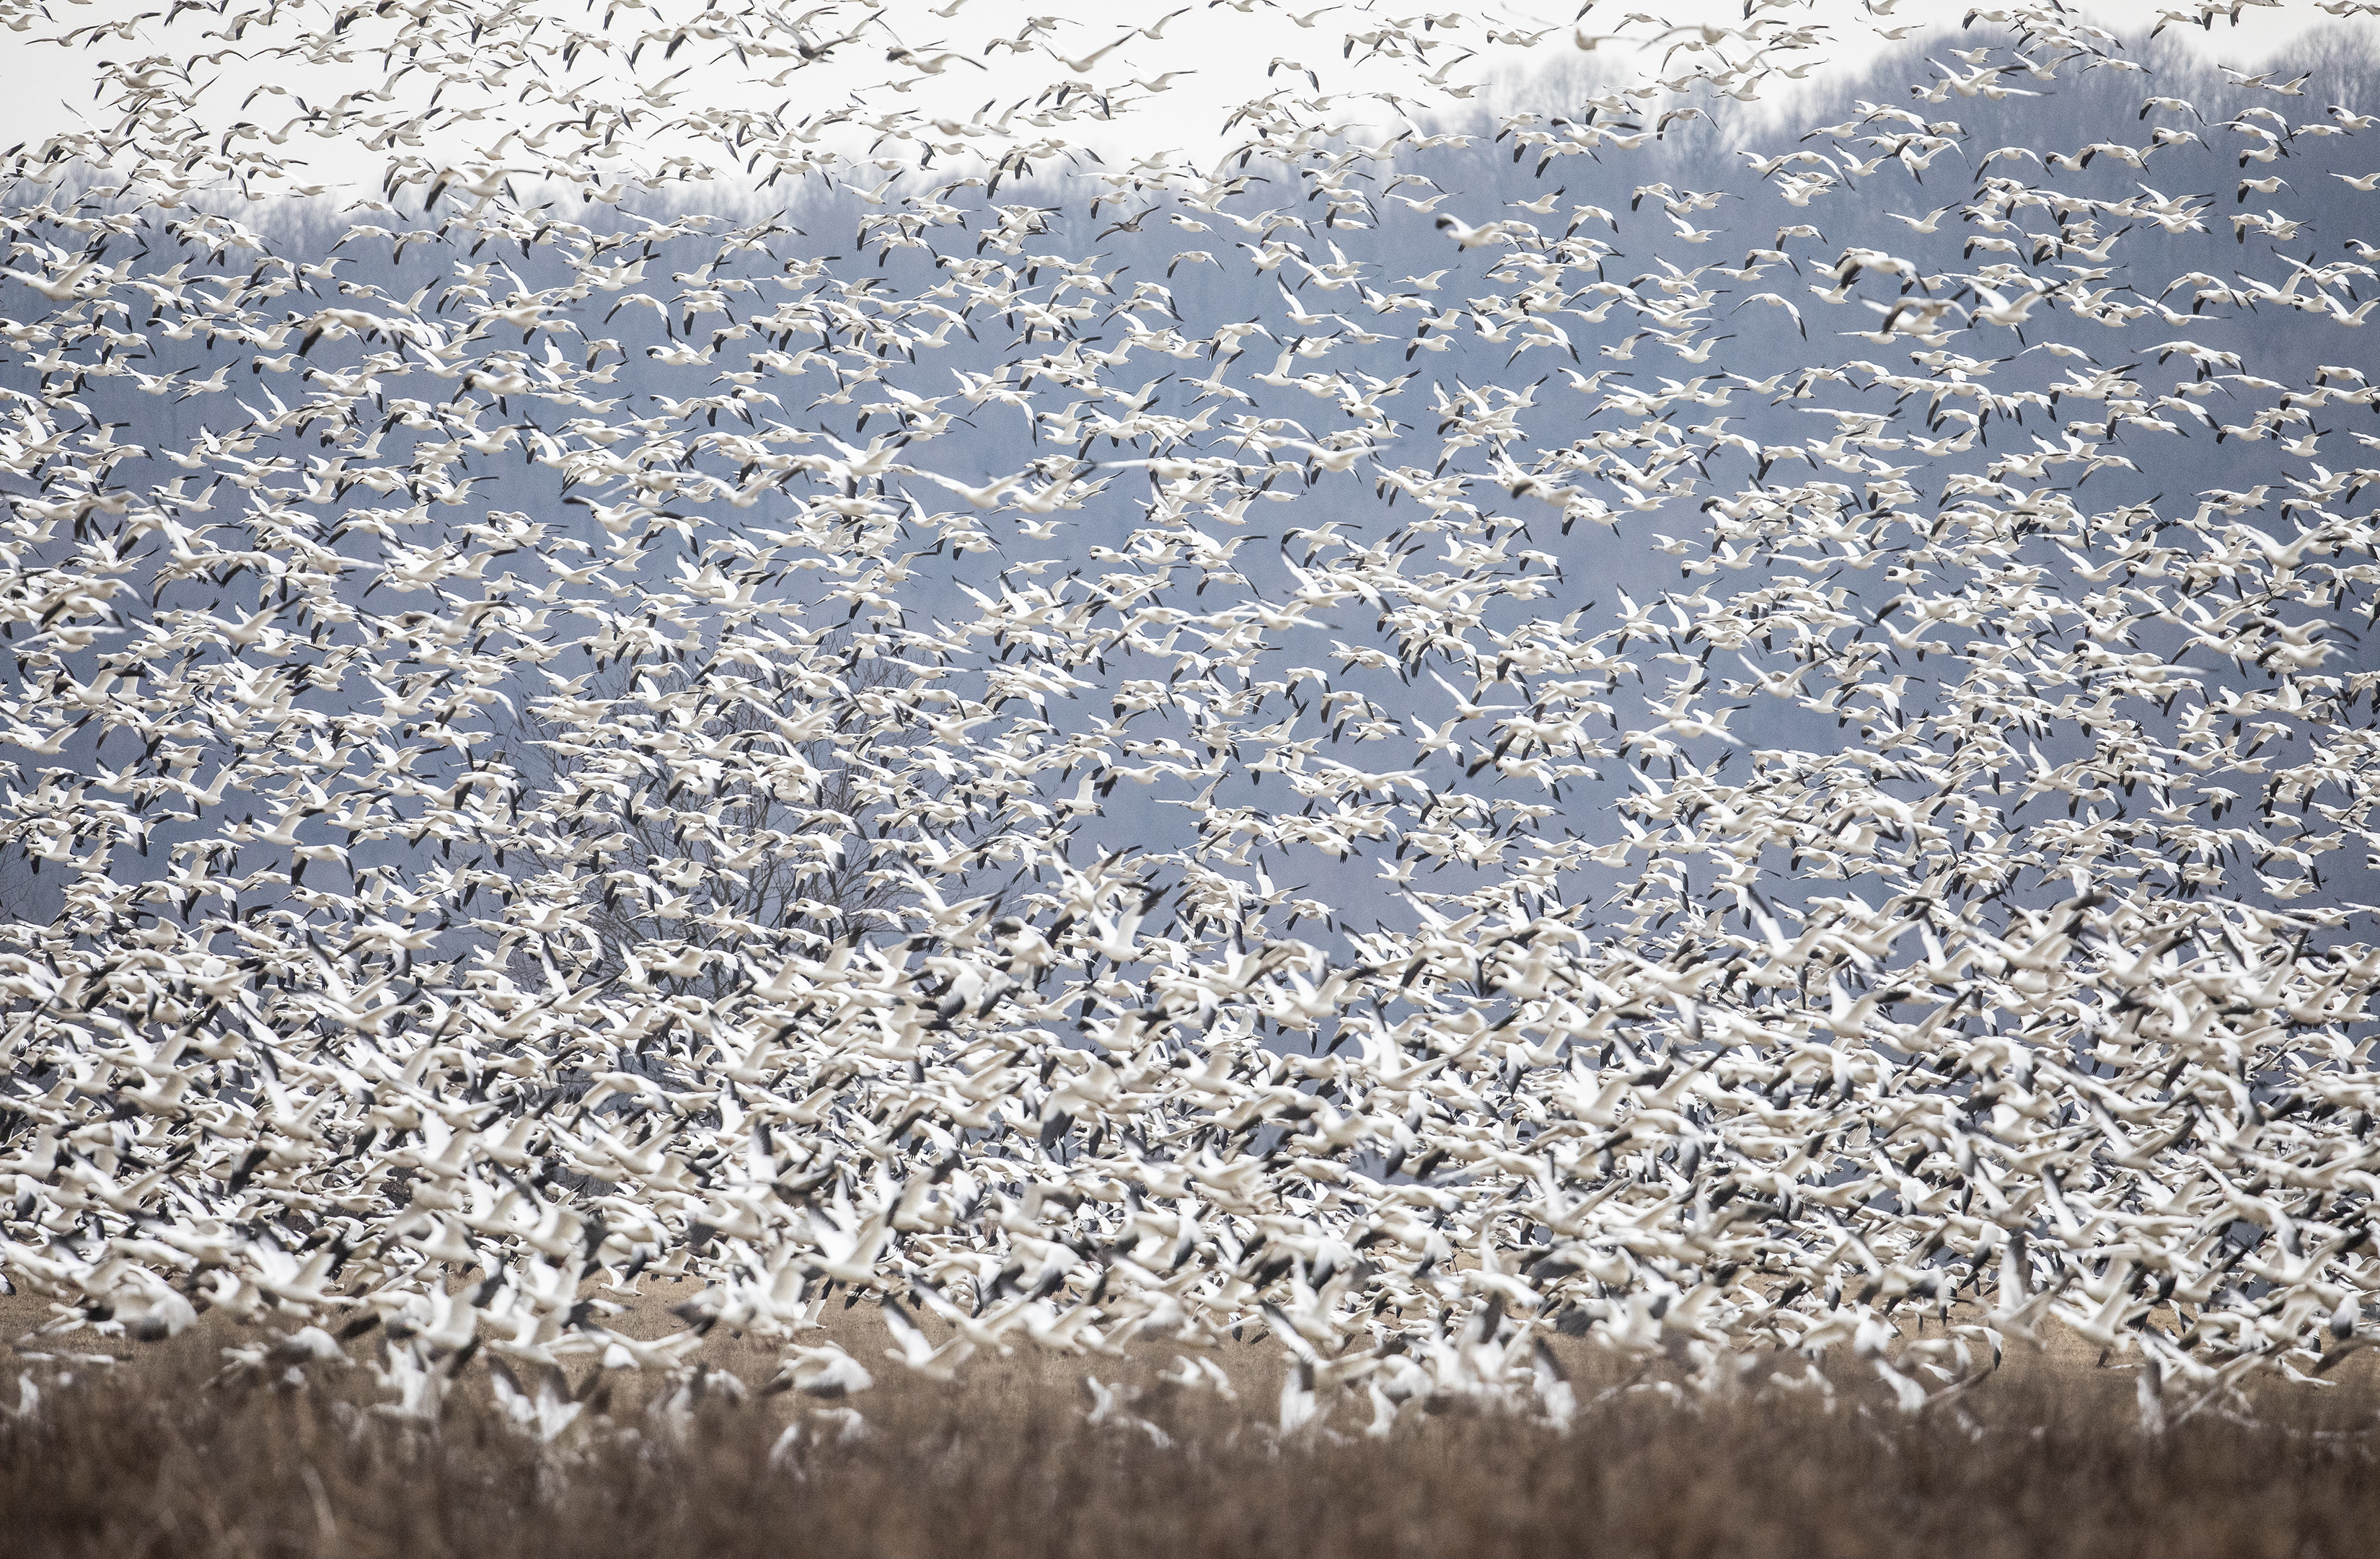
1103 771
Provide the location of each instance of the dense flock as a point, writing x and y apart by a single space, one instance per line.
1695 683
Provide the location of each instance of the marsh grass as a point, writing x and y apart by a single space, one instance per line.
148 1458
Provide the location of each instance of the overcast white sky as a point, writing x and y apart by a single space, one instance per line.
1219 56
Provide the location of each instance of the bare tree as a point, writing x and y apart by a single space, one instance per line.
783 852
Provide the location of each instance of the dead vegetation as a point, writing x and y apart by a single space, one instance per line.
149 1458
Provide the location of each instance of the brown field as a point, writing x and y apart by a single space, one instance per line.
146 1458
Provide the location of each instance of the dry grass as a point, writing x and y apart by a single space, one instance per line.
147 1460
